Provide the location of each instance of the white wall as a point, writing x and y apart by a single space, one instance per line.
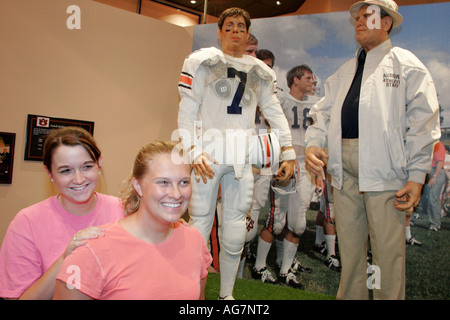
119 70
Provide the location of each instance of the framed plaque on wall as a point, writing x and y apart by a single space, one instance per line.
38 127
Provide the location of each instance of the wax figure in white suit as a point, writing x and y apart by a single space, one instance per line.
379 119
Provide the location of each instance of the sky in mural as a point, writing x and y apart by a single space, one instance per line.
326 41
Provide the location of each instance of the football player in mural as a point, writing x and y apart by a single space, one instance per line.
296 202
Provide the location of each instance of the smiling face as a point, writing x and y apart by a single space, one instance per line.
165 189
234 36
76 176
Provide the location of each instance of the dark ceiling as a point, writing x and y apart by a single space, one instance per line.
257 9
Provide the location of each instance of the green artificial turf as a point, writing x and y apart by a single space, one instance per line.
246 289
427 268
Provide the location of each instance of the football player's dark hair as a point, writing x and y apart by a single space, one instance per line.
234 12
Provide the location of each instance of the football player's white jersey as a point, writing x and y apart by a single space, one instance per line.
222 92
297 115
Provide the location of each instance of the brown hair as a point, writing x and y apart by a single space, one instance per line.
264 54
297 72
70 136
234 12
130 198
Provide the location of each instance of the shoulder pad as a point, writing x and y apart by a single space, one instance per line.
207 56
210 57
263 71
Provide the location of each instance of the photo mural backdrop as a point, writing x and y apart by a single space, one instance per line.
325 41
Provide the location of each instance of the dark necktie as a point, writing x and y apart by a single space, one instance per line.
349 115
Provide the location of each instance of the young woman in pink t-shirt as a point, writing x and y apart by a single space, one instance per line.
149 254
42 235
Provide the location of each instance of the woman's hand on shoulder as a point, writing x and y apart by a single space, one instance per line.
80 238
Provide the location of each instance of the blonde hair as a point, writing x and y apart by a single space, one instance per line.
130 198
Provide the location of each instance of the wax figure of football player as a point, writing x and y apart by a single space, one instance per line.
219 91
261 179
216 232
300 82
379 120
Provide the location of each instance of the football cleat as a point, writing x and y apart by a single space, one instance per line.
413 242
264 275
291 280
333 263
298 267
320 248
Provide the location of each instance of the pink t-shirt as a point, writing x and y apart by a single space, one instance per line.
120 266
39 235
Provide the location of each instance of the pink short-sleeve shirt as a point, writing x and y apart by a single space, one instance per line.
39 235
120 266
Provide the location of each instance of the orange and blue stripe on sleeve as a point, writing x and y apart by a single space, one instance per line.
185 80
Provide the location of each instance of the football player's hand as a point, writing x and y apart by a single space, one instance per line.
286 170
315 160
408 197
202 168
319 185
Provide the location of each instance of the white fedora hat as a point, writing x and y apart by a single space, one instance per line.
389 6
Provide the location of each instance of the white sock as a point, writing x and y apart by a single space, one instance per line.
290 249
261 253
408 232
319 235
330 240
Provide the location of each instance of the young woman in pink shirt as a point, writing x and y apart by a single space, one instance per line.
149 254
42 235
